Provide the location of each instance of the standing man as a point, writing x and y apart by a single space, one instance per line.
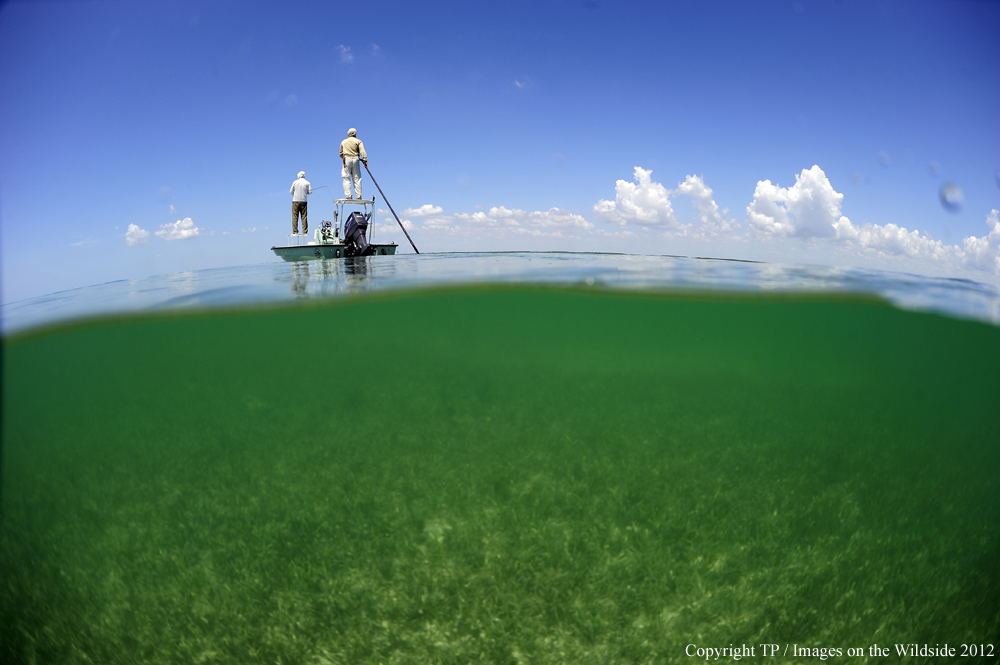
351 149
299 191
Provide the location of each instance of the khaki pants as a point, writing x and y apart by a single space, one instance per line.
352 169
299 208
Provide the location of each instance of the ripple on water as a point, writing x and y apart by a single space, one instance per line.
277 282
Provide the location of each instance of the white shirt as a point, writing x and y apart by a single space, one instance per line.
300 188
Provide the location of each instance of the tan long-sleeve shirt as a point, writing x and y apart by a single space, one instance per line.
352 148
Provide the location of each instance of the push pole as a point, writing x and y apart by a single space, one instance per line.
391 210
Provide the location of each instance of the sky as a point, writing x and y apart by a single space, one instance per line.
150 138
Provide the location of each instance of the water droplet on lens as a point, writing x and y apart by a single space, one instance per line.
884 158
952 197
857 178
934 168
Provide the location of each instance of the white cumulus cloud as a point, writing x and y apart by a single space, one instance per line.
892 239
808 209
135 235
391 226
555 221
984 253
423 211
431 217
540 221
811 209
975 253
498 221
713 221
439 222
644 202
179 230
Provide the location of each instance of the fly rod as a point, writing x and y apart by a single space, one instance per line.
391 210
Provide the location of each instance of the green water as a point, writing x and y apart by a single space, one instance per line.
499 475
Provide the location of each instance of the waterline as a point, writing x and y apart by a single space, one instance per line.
278 282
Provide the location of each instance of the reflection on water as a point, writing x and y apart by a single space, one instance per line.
321 279
282 281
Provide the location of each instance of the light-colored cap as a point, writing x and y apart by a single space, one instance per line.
302 174
352 132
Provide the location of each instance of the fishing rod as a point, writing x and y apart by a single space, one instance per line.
326 188
391 210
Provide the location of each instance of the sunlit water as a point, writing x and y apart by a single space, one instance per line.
279 281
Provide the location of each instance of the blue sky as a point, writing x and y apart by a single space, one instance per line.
788 131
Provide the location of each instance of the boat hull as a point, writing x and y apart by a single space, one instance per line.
313 252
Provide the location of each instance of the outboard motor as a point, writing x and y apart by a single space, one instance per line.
354 236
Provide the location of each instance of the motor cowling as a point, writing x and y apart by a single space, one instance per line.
355 236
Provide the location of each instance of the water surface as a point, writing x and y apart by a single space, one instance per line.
277 282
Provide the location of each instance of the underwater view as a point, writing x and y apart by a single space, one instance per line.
601 333
500 472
